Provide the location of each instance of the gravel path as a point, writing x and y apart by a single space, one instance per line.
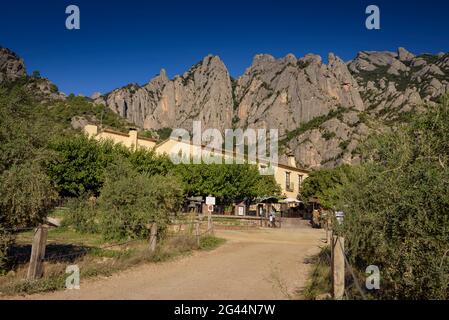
257 264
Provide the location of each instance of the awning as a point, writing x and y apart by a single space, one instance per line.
267 200
290 200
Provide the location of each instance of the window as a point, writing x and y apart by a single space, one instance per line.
300 178
287 180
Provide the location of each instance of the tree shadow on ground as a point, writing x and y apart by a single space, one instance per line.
20 254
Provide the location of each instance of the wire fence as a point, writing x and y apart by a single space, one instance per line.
355 280
81 250
17 230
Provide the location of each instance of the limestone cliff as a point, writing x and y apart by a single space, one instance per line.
203 93
322 110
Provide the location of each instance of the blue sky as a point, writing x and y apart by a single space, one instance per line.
130 41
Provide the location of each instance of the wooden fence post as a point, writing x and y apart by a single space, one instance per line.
36 268
338 267
210 224
197 233
153 237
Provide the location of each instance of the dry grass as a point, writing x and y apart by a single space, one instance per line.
320 283
92 259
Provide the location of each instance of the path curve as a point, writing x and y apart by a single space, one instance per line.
257 264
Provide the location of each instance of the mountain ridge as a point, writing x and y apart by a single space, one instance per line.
322 110
337 102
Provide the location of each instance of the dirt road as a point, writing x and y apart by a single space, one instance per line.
258 264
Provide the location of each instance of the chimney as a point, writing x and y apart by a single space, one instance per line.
291 161
133 137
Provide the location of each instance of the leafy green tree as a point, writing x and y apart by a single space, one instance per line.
26 196
147 161
327 185
23 136
26 192
227 182
80 164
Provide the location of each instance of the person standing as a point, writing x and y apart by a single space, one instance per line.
273 218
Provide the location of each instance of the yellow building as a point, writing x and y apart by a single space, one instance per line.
130 140
287 175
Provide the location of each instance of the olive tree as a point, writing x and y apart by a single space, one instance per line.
26 196
129 201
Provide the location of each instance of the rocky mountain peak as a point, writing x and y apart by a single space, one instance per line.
290 58
312 59
11 66
158 81
213 61
203 93
262 59
405 55
163 75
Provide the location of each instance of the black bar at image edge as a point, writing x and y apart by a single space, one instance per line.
210 309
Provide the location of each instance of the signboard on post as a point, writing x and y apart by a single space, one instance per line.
210 201
339 215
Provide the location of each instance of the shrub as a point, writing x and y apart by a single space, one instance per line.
53 88
6 240
396 206
164 133
344 144
36 74
82 215
328 135
314 124
130 201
